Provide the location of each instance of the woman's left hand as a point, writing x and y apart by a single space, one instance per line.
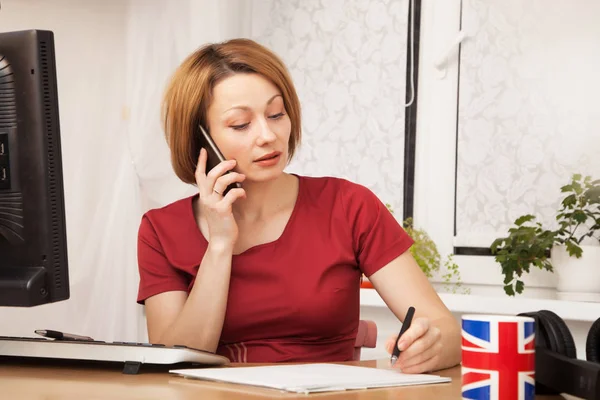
420 347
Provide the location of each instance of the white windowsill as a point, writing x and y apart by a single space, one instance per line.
465 304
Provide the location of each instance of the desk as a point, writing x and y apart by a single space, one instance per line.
33 382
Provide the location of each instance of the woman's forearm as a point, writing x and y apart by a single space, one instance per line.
200 321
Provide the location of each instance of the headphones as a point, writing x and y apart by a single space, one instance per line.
557 369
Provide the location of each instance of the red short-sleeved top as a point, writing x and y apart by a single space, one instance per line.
293 299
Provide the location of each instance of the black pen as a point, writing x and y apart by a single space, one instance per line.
405 326
62 335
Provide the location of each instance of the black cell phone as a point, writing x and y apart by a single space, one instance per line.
214 156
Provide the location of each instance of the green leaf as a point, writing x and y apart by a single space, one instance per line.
497 243
569 201
566 188
508 289
576 177
579 216
593 194
519 286
525 218
573 249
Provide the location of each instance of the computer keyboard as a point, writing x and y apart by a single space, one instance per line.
132 355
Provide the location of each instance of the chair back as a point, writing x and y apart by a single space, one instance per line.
366 337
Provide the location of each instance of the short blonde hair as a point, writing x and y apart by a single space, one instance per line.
189 94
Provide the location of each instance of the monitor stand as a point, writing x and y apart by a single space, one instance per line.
22 286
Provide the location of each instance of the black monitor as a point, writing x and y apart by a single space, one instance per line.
33 243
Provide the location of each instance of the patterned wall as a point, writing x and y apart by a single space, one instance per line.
528 109
348 61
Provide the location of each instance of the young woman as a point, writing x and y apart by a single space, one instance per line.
270 272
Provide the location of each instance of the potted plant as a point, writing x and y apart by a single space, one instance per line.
561 250
426 254
527 245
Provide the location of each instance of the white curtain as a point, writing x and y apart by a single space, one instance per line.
160 35
113 60
100 183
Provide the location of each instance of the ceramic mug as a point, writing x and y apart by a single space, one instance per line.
498 357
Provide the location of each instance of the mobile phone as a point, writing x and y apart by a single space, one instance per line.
214 156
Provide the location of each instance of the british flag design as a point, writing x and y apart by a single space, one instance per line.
498 359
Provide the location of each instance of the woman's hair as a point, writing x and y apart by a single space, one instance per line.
189 94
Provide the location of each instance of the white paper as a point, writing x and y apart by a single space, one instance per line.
307 378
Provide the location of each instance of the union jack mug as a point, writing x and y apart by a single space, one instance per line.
498 357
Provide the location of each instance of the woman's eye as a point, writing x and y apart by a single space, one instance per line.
276 116
240 127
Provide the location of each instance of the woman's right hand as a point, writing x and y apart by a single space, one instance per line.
216 208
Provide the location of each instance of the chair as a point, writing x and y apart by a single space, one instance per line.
366 337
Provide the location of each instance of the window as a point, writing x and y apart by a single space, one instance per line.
493 116
527 113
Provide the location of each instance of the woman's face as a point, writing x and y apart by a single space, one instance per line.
249 123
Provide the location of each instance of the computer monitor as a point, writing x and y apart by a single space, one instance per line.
33 243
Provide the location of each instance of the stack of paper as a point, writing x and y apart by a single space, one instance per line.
308 378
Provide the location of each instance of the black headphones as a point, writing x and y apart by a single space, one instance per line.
557 369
